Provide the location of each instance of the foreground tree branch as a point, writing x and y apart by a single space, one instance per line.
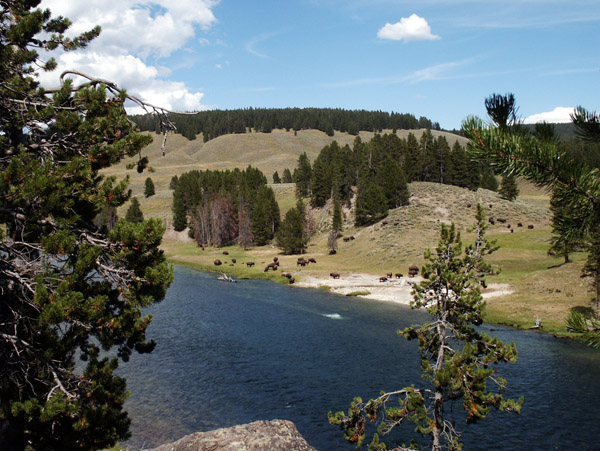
457 359
70 293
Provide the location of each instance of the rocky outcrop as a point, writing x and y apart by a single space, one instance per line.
272 435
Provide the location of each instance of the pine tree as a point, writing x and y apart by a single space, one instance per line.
291 236
287 176
508 188
548 165
457 359
134 212
71 293
179 212
392 181
371 204
302 176
149 188
276 178
336 223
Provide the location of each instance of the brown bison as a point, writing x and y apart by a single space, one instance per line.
389 275
234 261
286 274
225 253
276 259
383 279
312 260
334 275
249 264
530 226
218 262
399 275
413 270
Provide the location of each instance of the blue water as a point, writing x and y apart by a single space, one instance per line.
234 353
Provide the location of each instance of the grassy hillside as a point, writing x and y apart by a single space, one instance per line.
541 284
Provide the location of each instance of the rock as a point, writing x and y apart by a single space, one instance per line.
258 436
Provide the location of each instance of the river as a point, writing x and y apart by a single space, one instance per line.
229 354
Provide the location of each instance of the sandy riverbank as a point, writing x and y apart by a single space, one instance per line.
393 290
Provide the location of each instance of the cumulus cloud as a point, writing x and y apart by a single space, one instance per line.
413 28
133 31
557 115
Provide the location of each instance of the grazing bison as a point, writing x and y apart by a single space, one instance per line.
218 262
334 275
383 279
389 275
384 223
530 226
249 264
346 239
413 270
286 274
272 266
302 262
234 261
501 220
520 224
312 260
225 253
399 275
332 252
276 259
491 220
291 281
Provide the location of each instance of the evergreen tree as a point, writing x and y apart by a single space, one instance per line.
71 293
457 359
548 165
302 176
508 188
149 188
179 213
460 169
488 179
336 223
276 178
371 205
291 237
392 181
287 176
173 182
134 212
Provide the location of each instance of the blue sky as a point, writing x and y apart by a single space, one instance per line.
433 58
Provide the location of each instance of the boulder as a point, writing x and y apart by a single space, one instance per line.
275 435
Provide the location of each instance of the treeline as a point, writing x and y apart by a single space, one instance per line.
225 207
381 169
214 123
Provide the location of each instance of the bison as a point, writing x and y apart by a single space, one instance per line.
389 275
530 226
383 279
334 275
218 262
225 253
413 270
275 259
234 261
332 252
501 220
286 274
346 239
312 260
399 275
249 264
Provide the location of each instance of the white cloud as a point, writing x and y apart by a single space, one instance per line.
219 66
413 28
557 115
132 31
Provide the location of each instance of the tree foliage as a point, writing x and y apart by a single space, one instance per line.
292 235
149 190
458 359
574 184
134 212
71 291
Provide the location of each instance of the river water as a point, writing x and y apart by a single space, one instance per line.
229 354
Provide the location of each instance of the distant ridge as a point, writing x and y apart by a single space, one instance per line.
213 123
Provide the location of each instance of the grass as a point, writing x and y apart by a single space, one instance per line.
541 285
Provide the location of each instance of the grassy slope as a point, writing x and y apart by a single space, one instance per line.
542 285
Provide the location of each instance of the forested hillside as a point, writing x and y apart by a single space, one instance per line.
214 123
